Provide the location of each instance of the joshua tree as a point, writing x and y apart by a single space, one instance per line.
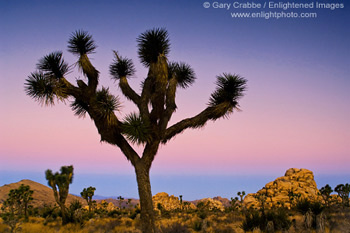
16 206
234 203
156 102
25 194
326 194
343 192
87 194
241 195
59 182
120 200
18 200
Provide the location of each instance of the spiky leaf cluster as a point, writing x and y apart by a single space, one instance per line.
121 67
53 65
229 89
151 44
136 129
183 73
44 89
106 102
81 43
79 108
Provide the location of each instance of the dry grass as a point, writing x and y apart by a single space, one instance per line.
212 222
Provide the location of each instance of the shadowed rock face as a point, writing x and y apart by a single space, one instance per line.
300 182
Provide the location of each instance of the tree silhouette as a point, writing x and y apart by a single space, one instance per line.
326 194
59 182
343 192
87 194
18 200
156 103
120 201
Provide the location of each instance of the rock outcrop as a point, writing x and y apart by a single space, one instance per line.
210 204
225 202
166 202
285 190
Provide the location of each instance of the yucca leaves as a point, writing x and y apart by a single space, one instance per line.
40 88
53 65
230 88
106 103
45 85
136 129
151 44
121 67
44 89
81 43
79 108
183 73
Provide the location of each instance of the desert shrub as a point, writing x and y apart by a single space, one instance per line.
134 213
232 218
312 212
175 228
304 205
197 225
202 214
114 213
75 213
279 218
49 212
276 219
252 220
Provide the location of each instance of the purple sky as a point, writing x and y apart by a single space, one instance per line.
295 113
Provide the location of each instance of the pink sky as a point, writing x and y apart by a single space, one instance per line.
295 113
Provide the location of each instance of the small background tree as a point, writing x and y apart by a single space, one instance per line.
156 103
343 192
87 194
59 182
16 205
325 193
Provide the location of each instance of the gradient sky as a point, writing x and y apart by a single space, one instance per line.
295 113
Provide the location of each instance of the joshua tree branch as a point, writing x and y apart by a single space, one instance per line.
145 98
90 72
110 132
170 105
128 91
70 88
210 113
149 153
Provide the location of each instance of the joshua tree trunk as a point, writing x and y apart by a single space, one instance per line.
64 214
145 194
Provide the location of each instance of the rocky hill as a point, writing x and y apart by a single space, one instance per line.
296 183
42 194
